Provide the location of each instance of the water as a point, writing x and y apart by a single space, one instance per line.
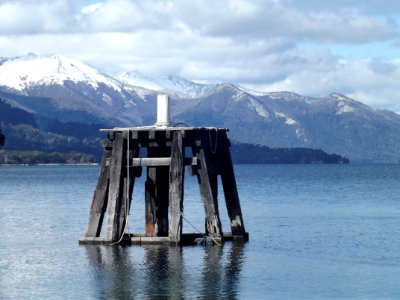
316 232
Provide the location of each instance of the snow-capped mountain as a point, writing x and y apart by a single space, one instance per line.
170 84
21 73
65 89
71 89
335 123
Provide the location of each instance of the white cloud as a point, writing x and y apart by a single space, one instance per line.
35 17
258 43
270 18
371 6
359 80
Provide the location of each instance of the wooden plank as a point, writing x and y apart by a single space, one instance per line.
208 185
159 161
92 241
99 202
149 240
114 196
230 188
128 178
139 239
176 176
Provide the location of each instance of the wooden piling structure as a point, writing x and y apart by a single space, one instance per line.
165 160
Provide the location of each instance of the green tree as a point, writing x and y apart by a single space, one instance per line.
2 138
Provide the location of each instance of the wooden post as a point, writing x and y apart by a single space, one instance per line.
128 175
176 175
113 233
156 192
207 178
99 202
150 202
230 189
162 200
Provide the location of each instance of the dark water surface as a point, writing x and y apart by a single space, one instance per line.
316 232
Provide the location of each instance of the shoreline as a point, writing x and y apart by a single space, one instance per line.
49 164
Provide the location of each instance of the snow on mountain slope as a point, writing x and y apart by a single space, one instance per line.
170 84
137 79
182 87
22 72
73 90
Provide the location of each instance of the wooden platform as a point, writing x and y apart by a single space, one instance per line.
187 239
164 154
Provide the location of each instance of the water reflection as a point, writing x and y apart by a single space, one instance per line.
164 272
169 272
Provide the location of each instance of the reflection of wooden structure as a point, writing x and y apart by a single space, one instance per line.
165 160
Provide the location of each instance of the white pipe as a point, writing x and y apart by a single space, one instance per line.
162 111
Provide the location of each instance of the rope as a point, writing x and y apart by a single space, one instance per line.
181 124
205 239
213 151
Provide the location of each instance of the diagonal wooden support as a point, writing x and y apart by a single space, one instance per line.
230 188
99 202
207 178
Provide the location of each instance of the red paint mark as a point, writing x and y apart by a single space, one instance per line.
94 196
150 229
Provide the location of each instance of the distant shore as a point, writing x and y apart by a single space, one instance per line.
49 164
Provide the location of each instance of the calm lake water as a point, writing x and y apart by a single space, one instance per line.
316 232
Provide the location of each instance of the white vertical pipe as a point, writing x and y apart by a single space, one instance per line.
162 110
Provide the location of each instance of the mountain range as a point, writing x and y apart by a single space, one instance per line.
70 92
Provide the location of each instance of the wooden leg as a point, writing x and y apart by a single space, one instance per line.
156 195
176 175
162 200
113 233
126 199
99 202
150 202
230 189
207 178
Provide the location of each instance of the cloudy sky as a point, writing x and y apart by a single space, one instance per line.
310 47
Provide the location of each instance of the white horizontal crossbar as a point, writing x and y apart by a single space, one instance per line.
160 161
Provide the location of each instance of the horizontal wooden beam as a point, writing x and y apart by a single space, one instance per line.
140 239
160 161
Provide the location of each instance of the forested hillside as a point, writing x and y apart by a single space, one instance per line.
34 139
257 154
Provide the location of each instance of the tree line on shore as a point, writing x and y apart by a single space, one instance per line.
2 138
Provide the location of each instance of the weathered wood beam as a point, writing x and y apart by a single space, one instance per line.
151 228
186 239
162 199
160 161
208 185
176 176
230 188
116 188
128 176
99 201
